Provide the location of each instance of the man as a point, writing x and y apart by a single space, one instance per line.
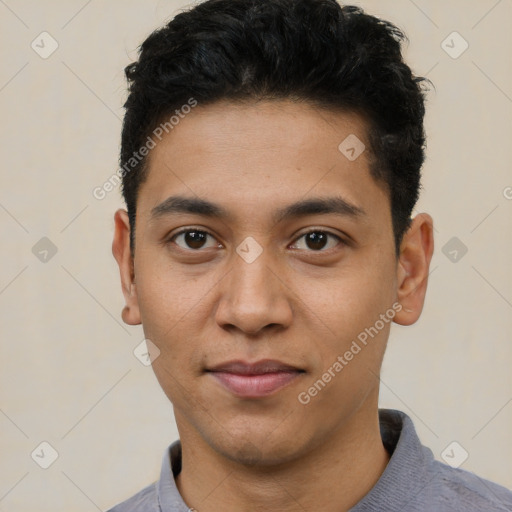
271 155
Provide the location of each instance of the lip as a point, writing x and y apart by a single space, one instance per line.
254 380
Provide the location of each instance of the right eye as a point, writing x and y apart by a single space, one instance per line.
193 239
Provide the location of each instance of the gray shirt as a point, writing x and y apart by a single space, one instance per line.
412 481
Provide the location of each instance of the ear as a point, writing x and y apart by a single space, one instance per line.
416 252
123 255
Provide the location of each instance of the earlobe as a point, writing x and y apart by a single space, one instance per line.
131 313
122 254
413 268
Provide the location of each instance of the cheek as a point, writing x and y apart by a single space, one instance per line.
348 310
174 310
350 300
166 295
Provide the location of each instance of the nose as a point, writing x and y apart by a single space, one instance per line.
254 298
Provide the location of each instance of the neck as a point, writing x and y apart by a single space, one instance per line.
331 477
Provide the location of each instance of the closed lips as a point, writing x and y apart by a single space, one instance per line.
255 380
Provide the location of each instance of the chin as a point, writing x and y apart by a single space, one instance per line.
256 448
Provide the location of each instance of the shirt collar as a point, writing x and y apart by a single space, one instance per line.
404 477
407 472
169 497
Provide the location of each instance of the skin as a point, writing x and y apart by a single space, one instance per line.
296 303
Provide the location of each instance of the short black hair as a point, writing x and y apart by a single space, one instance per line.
314 51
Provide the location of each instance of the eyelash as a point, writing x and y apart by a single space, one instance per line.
192 229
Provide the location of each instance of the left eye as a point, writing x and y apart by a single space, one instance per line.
317 241
194 239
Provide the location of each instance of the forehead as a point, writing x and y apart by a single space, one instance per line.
251 156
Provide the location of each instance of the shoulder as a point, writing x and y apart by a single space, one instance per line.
145 500
462 490
415 481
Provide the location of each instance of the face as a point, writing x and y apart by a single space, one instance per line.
262 254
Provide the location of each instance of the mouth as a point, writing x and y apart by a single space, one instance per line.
254 380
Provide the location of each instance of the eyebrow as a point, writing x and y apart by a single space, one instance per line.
314 206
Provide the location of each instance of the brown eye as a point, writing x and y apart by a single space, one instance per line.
193 239
317 241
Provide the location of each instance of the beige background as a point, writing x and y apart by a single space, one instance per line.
69 376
